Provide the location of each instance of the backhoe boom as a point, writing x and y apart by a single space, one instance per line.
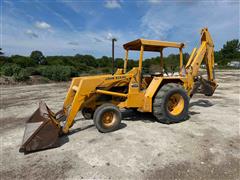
204 52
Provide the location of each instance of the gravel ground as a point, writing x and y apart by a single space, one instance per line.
206 146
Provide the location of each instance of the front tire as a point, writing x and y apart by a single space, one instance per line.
171 103
107 118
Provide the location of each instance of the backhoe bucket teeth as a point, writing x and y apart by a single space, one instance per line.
41 130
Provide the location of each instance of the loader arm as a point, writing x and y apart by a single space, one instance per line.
204 52
83 88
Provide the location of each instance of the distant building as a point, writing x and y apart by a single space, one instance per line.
234 64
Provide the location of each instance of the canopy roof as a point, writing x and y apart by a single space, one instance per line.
151 45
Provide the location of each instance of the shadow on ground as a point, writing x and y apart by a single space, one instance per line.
201 103
134 115
130 115
121 126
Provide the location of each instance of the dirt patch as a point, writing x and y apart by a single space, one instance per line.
9 81
40 169
11 123
228 169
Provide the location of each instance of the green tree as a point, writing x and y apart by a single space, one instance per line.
56 73
218 57
229 52
119 62
104 62
21 75
23 61
8 69
1 53
231 49
90 60
38 57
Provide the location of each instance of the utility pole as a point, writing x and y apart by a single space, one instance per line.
113 69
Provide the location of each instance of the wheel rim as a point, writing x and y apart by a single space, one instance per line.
109 118
175 104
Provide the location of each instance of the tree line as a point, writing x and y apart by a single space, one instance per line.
62 68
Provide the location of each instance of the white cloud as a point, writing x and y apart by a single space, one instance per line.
61 42
64 20
8 3
74 5
31 34
112 4
222 21
42 25
97 40
154 1
110 36
60 16
154 25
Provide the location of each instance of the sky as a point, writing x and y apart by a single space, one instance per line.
68 27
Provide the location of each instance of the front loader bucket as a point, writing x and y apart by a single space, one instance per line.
41 130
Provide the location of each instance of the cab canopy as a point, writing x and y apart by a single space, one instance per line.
151 45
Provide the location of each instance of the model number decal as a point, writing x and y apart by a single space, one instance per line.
116 77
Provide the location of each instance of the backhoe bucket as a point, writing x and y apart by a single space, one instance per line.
41 130
207 87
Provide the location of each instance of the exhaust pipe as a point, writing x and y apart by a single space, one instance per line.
113 68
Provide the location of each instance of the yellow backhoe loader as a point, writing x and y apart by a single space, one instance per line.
100 97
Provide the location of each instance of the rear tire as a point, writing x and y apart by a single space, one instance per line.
171 103
107 118
87 113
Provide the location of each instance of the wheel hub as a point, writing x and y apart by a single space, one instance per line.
108 119
175 104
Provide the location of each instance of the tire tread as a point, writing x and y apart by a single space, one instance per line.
158 110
